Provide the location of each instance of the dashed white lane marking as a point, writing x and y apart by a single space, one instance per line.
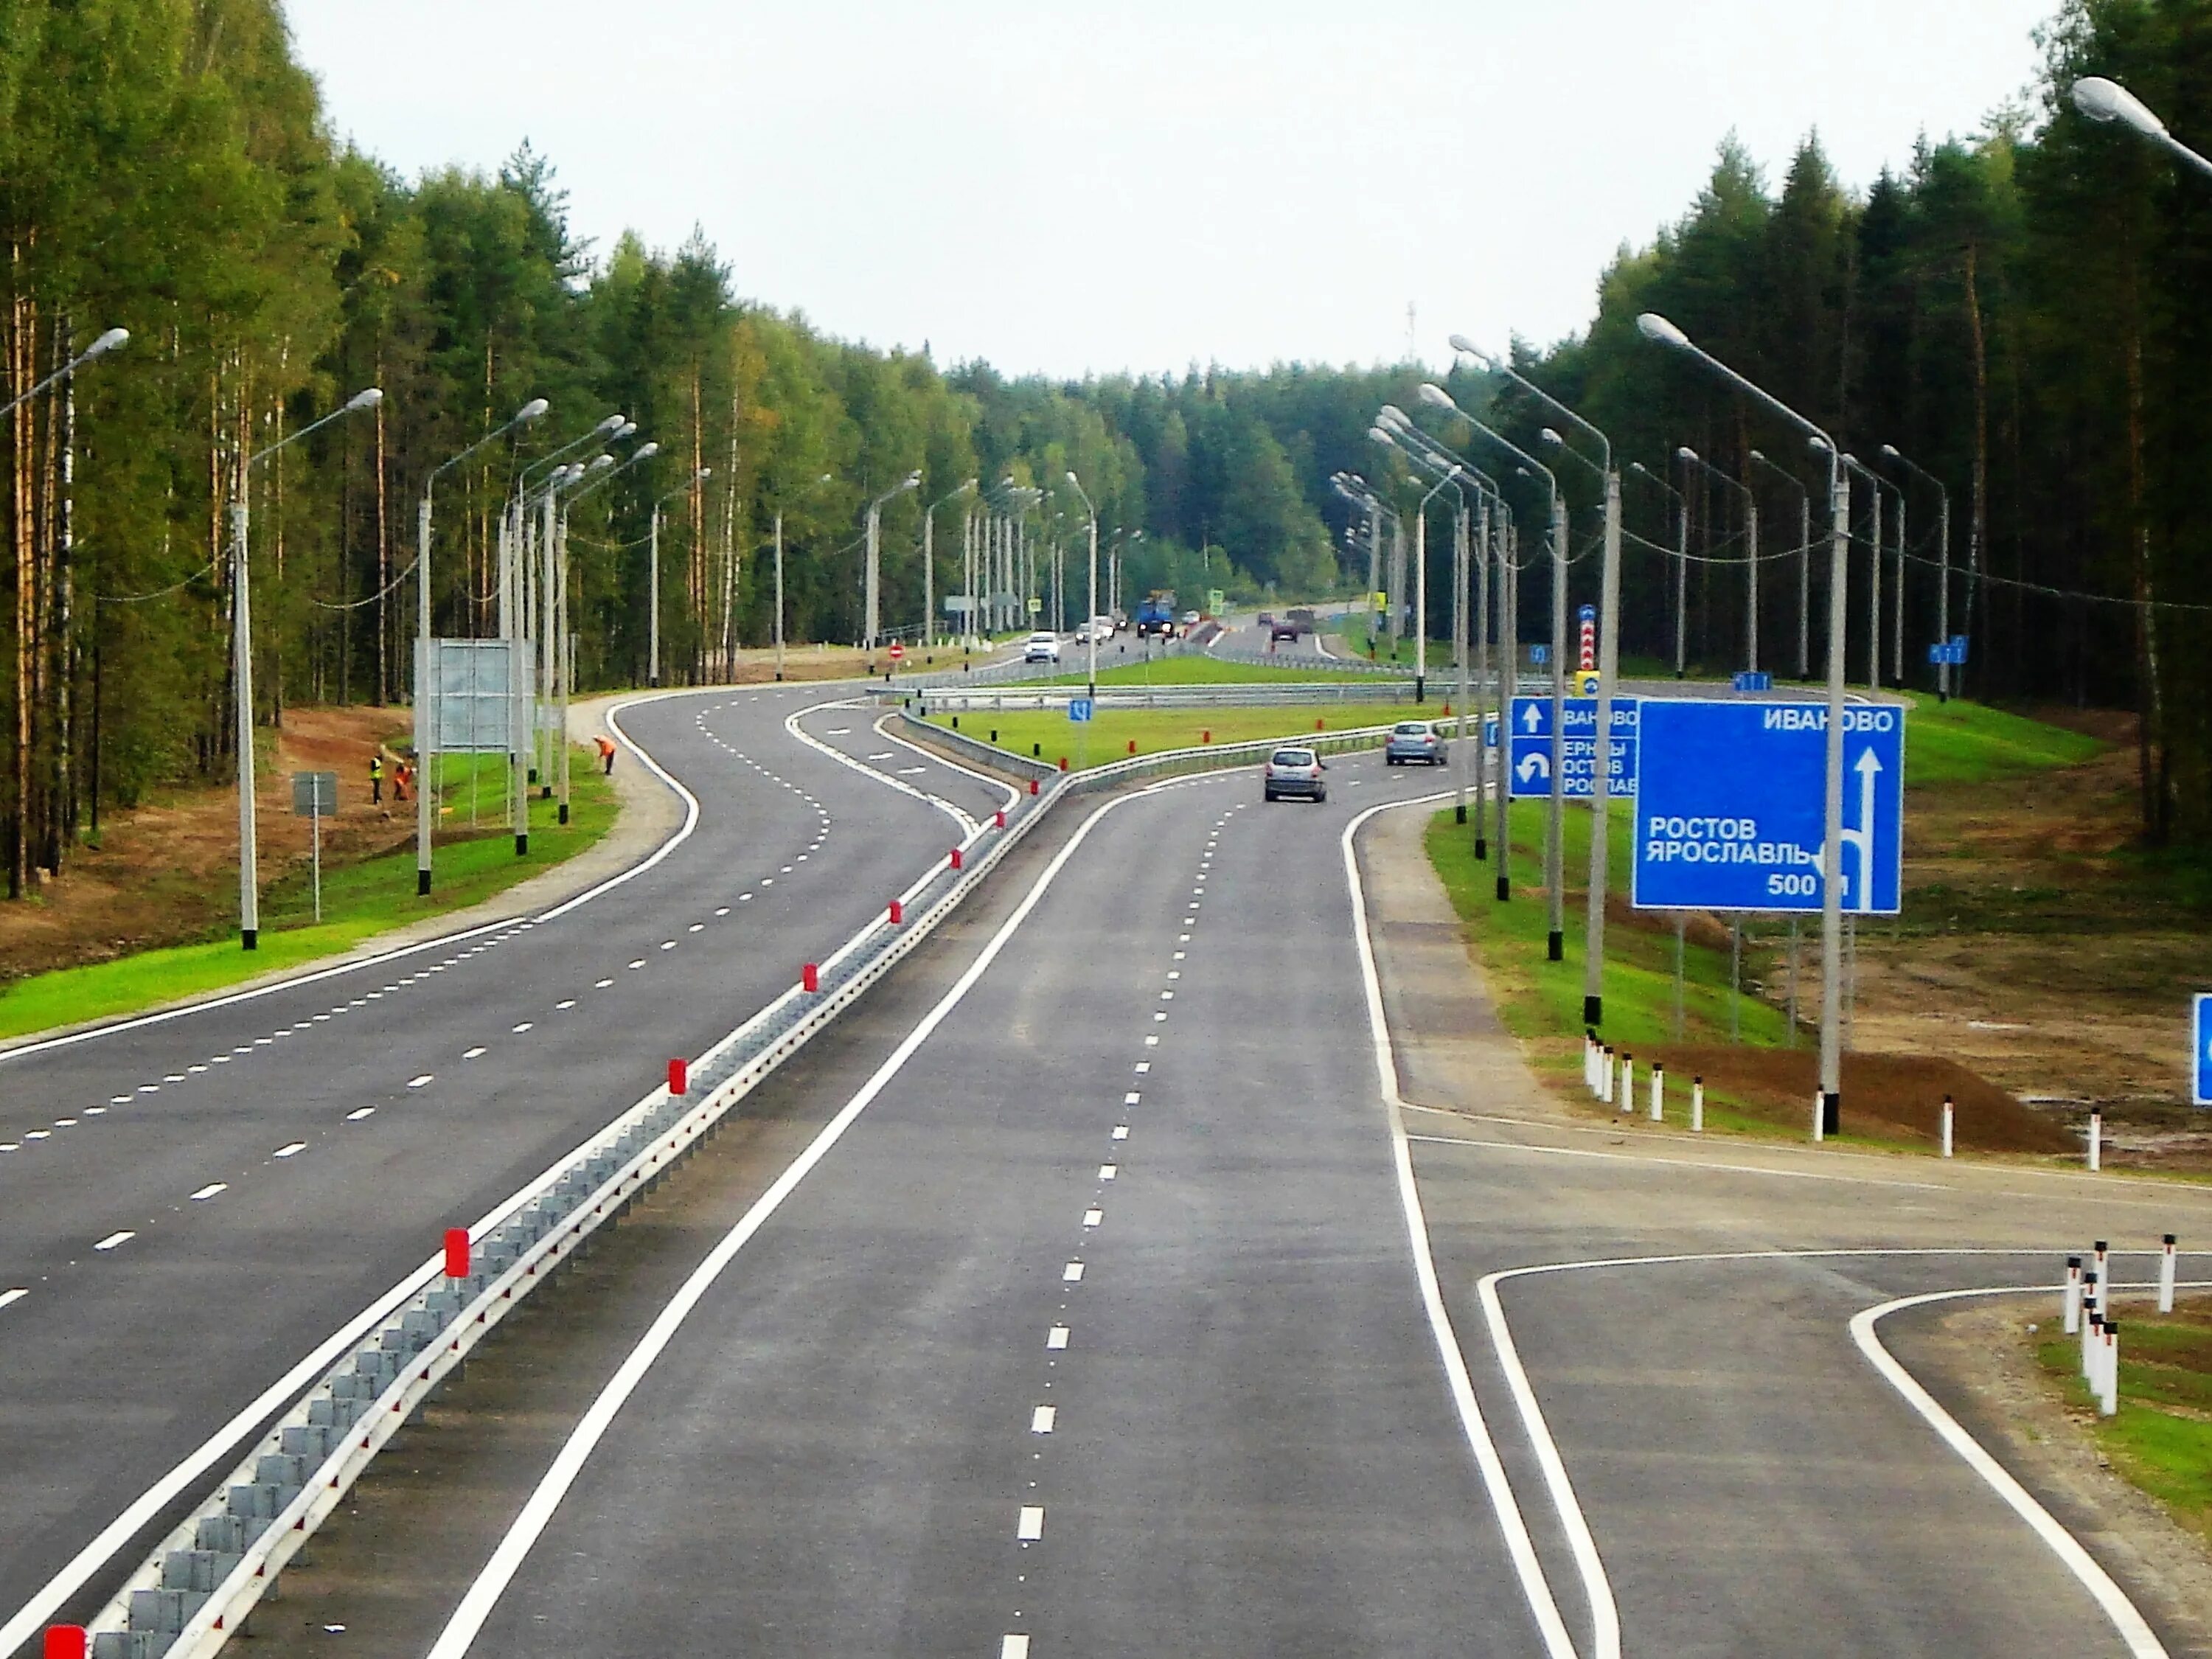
476 1052
1143 1065
209 1191
696 927
668 945
95 1111
291 1149
115 1239
638 963
565 1006
15 1294
419 1082
724 911
742 897
65 1123
1040 1420
120 1100
1094 1218
1056 1338
1072 1274
1108 1171
768 881
219 1060
1131 1098
1013 1647
527 1024
149 1087
355 1116
1028 1526
1121 1132
10 1146
40 1134
601 985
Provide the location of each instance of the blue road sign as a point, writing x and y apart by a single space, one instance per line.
1731 806
2203 1069
1540 654
1078 709
1530 766
1490 731
1749 679
1953 653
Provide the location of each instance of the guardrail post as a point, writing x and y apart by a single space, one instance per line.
66 1641
679 1078
810 978
2166 1277
457 1252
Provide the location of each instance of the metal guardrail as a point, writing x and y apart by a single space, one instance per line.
1258 694
197 1587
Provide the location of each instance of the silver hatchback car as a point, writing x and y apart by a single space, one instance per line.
1294 772
1414 740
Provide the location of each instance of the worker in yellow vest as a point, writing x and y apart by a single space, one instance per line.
376 779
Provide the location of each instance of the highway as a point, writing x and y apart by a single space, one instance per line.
191 1207
1101 1325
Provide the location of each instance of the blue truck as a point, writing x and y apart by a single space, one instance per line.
1156 615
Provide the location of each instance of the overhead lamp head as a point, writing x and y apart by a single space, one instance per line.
644 452
1756 456
1638 466
627 429
1890 450
823 479
1684 453
612 424
1391 415
1380 433
1436 397
368 397
534 409
1817 442
1549 435
2101 100
703 472
913 480
1466 348
114 340
599 463
1653 326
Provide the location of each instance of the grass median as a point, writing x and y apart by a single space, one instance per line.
2160 1439
1117 733
360 899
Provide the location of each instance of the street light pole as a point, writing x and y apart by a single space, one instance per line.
1828 1110
1943 565
2104 101
1089 627
929 563
1691 458
242 649
1555 827
1804 561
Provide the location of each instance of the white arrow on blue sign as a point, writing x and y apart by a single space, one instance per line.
1731 806
1078 709
1531 764
2203 1069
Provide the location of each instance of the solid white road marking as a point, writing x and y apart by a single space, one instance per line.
483 1593
1670 1162
209 1191
1056 1338
115 1239
1028 1526
1520 1548
1040 1420
15 1294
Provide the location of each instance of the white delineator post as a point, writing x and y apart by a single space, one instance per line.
1947 1114
1628 1084
1658 1093
2166 1276
2070 1306
2096 1142
1697 1105
2100 1260
2090 1338
1604 1074
1820 1116
2108 1400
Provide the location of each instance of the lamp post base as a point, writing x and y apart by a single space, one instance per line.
564 812
1482 850
1594 1011
421 884
1504 890
249 938
522 846
1555 946
1832 1114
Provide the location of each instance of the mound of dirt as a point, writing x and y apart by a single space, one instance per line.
1886 1096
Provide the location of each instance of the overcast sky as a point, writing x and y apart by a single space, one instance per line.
1146 183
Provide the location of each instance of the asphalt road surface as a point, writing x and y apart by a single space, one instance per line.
190 1206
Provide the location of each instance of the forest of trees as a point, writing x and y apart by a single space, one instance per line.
2012 310
2021 314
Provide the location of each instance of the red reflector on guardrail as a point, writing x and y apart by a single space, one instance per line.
810 977
456 1257
679 1077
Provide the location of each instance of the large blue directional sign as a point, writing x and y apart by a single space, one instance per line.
2203 1066
1531 761
1731 806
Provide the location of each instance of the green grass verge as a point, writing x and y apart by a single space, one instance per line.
1049 735
1960 742
1184 670
2161 1437
359 901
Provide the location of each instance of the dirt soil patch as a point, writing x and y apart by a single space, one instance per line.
1886 1096
166 872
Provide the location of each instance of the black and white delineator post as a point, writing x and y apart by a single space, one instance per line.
2166 1276
2070 1305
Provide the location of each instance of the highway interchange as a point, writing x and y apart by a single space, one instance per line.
1142 1299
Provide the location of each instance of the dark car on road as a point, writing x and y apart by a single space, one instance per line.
1285 629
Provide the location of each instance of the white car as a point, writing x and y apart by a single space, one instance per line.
1041 647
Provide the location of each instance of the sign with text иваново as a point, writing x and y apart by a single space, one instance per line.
1530 762
1731 806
